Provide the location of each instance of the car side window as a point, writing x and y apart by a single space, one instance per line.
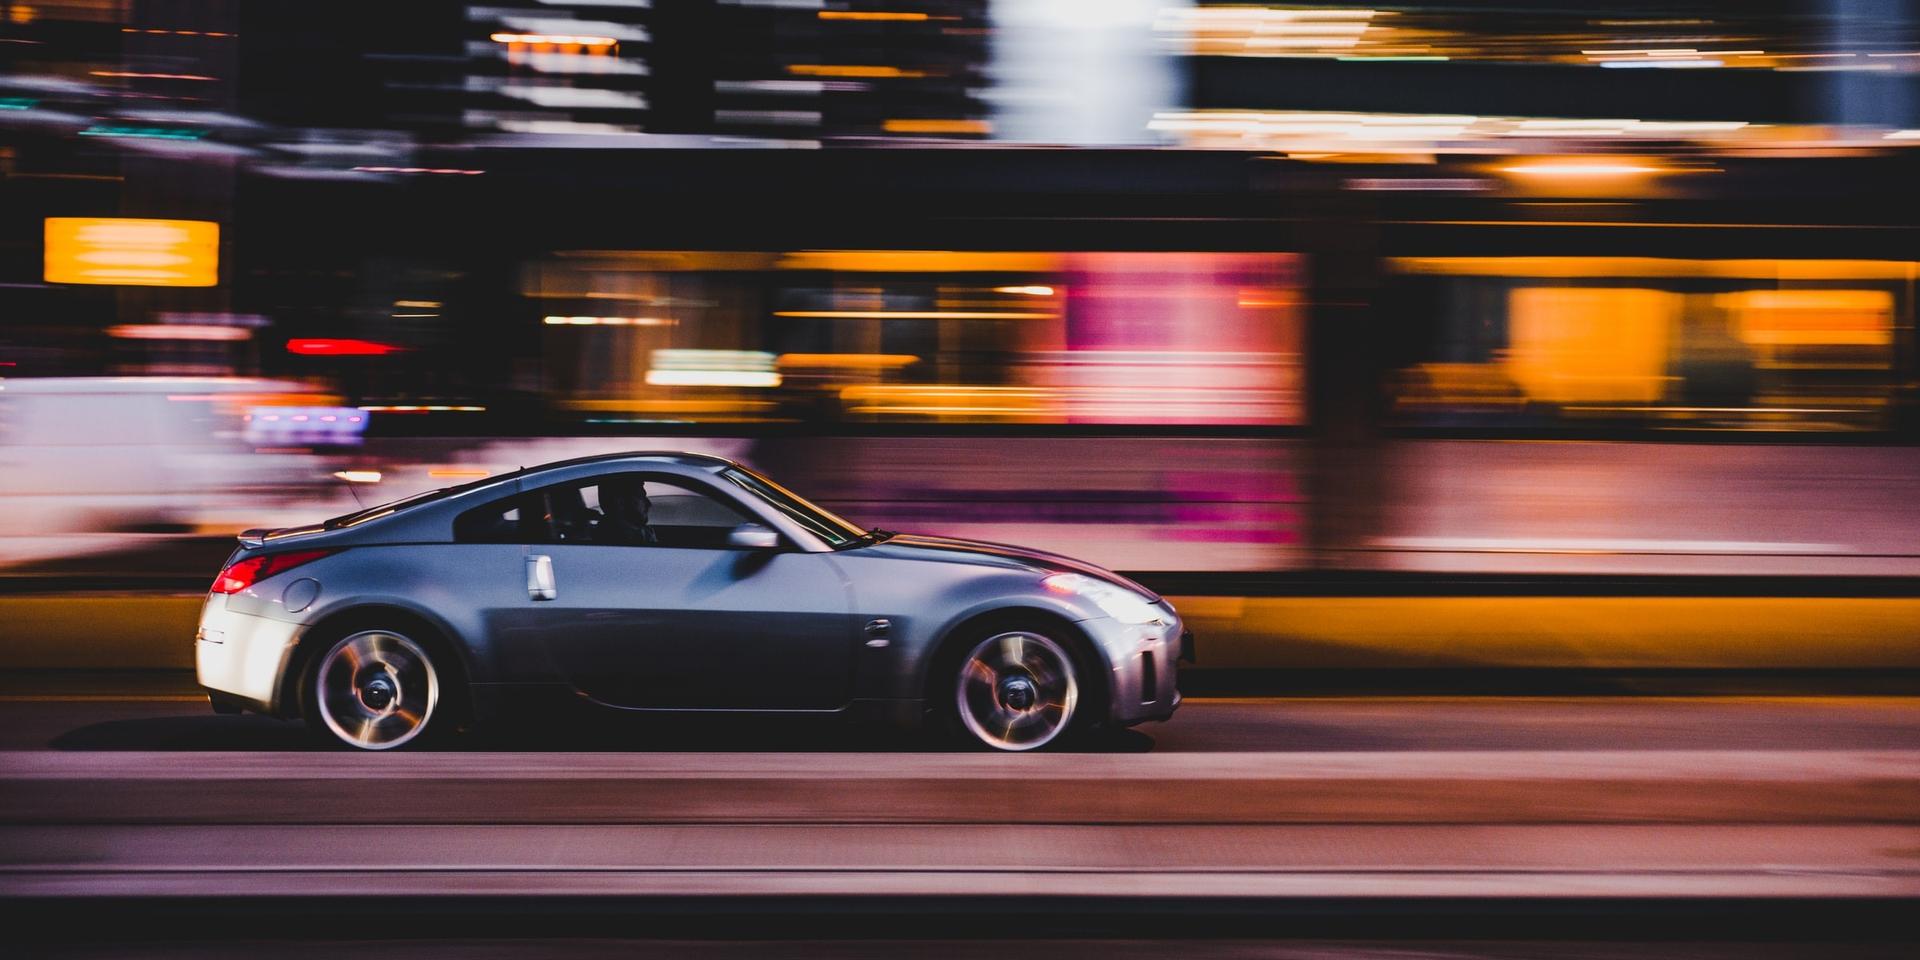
502 521
635 510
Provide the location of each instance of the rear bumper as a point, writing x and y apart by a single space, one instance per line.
241 658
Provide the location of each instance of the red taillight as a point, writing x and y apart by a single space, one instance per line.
242 574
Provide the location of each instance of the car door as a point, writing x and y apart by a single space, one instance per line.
683 620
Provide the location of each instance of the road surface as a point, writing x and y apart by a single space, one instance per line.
1329 827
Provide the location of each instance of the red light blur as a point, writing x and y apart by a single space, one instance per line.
331 347
245 573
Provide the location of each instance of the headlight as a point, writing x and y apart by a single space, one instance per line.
1118 602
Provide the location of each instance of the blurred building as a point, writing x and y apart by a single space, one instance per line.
1272 255
1175 286
628 72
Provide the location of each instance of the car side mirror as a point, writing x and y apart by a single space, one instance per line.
753 536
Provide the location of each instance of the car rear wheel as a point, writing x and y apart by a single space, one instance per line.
1017 690
374 690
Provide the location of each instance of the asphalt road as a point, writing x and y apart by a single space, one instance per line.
1336 827
168 717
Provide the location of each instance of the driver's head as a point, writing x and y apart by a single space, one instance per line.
627 498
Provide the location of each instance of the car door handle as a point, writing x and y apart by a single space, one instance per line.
540 578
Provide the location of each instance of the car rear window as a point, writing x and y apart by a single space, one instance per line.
405 503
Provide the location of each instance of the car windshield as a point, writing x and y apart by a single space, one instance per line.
835 531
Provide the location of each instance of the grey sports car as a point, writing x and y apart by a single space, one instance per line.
671 582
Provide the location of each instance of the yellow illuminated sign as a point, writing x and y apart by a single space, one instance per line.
146 253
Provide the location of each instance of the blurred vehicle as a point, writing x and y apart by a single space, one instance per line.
120 455
671 582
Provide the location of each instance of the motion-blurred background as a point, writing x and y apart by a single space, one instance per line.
1268 304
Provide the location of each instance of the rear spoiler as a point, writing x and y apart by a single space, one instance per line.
260 535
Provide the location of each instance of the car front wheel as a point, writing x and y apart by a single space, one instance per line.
374 690
1017 690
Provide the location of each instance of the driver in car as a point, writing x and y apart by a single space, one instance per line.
626 507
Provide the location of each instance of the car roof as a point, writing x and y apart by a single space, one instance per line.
456 497
676 457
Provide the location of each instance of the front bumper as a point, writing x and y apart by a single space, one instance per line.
1145 660
242 657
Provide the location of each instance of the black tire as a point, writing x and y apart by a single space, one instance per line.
373 688
1015 687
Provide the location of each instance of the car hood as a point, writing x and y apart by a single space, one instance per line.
907 546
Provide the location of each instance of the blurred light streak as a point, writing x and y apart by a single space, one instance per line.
1419 183
797 87
1589 169
177 331
915 314
179 33
874 15
849 70
1610 267
416 303
1302 42
439 170
554 39
1295 131
1603 545
787 118
339 347
117 251
946 400
1686 126
1674 64
936 126
457 473
1255 31
861 361
565 128
358 476
149 76
712 368
560 321
143 133
894 261
1035 291
589 98
1904 135
422 408
1271 14
599 61
711 378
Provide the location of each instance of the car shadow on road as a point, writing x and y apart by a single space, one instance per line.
207 732
784 734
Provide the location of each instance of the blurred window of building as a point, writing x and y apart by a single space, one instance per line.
927 336
1643 343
